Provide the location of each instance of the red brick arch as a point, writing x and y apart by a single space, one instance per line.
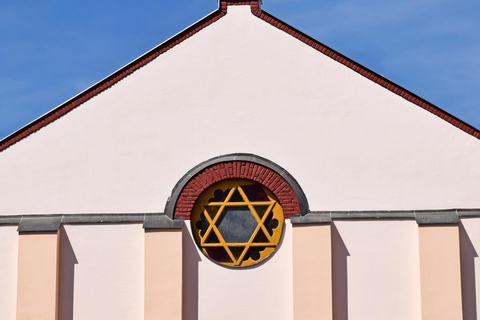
237 170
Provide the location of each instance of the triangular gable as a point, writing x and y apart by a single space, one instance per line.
203 23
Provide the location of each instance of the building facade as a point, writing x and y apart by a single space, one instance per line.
241 170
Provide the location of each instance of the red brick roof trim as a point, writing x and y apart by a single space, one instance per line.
190 31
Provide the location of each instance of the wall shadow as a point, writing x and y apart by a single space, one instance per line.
67 262
190 266
469 294
339 276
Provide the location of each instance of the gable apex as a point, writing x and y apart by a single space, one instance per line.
226 3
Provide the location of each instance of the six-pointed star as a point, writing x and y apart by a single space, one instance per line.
237 225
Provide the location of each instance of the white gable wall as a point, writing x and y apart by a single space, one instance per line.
242 85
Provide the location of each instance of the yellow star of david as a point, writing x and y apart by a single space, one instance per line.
237 227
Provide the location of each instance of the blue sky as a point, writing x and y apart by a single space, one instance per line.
52 50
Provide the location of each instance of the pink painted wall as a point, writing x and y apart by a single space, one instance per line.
214 292
241 85
469 250
312 272
376 270
440 272
37 281
102 272
8 271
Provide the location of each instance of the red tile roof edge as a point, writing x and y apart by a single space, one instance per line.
201 24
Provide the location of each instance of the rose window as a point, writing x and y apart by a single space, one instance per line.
237 222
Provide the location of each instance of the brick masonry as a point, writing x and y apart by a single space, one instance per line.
237 170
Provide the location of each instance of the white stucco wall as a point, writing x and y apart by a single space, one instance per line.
376 272
214 292
8 272
102 272
242 85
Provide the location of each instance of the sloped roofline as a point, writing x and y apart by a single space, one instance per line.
201 24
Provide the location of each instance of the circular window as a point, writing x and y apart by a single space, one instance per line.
237 223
